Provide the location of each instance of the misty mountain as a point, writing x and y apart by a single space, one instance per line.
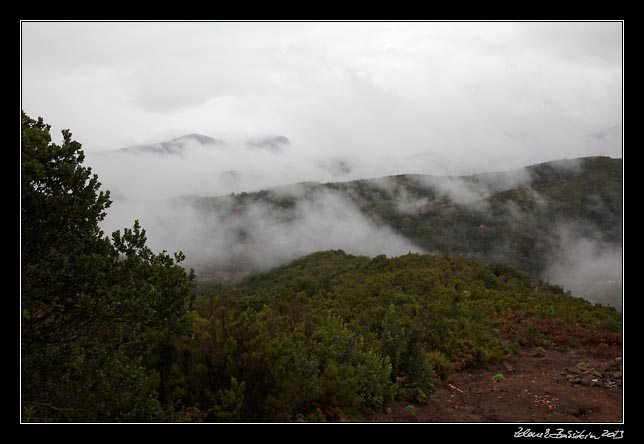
177 146
560 221
273 144
182 145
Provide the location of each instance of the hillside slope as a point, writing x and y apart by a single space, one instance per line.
331 336
560 221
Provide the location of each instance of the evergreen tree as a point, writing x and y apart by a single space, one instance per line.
89 304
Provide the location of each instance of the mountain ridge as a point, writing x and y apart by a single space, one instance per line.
534 218
176 146
179 145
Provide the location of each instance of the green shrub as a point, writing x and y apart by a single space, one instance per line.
352 376
512 348
229 402
498 377
439 363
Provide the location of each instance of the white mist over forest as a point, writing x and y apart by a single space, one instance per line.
233 107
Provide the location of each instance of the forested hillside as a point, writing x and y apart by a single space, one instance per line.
331 336
547 220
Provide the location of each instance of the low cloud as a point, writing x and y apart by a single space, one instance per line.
418 191
173 195
257 236
338 168
586 266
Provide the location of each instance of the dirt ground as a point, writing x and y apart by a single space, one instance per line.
535 389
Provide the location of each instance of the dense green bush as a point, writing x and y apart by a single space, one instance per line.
439 363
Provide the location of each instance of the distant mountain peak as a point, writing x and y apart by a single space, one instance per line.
274 144
176 146
200 138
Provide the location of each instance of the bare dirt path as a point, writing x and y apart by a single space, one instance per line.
536 388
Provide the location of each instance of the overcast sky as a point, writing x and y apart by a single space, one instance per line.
411 97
